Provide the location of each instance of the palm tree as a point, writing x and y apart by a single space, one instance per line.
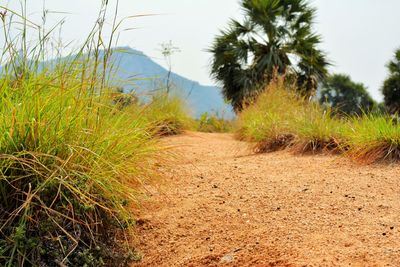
275 36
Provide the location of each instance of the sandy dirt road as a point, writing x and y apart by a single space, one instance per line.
221 205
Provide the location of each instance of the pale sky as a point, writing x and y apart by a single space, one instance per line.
359 36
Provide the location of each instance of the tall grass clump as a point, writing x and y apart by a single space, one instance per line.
374 138
266 121
280 118
69 164
71 161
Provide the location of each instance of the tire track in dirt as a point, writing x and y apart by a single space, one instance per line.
223 206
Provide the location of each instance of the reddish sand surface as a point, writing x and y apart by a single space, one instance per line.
222 205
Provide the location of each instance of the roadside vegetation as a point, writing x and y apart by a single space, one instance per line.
71 164
74 154
281 119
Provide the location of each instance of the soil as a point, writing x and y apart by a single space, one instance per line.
222 205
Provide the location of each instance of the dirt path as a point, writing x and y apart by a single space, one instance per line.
223 206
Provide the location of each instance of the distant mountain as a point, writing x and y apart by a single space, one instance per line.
135 71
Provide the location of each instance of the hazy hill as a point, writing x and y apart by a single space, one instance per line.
145 75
